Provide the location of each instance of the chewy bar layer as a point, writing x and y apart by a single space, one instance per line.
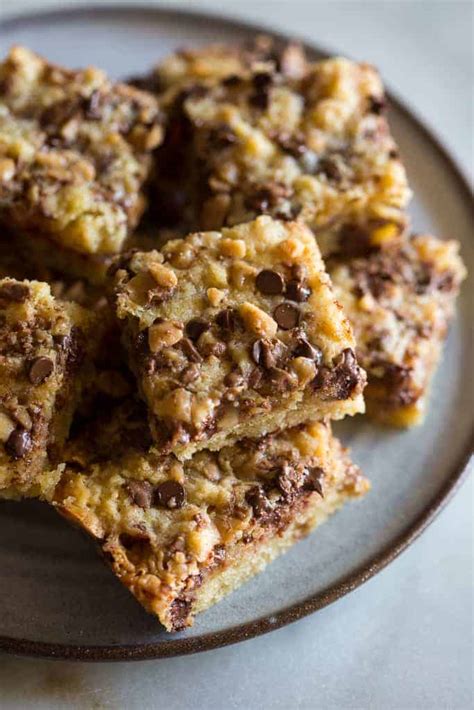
75 151
180 536
310 141
236 333
400 300
42 346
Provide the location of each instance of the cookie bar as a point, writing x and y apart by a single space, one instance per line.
180 536
312 144
234 334
75 152
400 300
42 347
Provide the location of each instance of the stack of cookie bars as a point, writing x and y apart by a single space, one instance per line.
200 270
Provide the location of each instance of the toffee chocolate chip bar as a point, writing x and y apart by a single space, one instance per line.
42 371
400 300
235 333
291 139
180 536
75 152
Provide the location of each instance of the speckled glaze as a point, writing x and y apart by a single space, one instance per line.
57 599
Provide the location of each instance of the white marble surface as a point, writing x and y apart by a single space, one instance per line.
404 639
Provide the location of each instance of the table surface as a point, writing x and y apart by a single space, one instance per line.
404 639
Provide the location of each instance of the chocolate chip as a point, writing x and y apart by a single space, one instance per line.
232 81
18 443
189 350
330 168
141 493
262 353
287 316
313 480
262 80
196 327
269 282
340 381
13 293
257 499
305 349
40 369
377 105
227 319
170 494
262 83
297 291
222 137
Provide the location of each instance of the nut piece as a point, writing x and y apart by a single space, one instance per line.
6 427
233 247
164 335
7 170
164 277
257 321
215 296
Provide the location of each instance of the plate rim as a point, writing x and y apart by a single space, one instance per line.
364 572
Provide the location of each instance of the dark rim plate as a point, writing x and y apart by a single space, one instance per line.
358 576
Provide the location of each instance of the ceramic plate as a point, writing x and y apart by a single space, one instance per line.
56 597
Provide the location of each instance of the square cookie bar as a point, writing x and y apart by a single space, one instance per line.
234 334
180 536
43 343
75 152
400 300
284 137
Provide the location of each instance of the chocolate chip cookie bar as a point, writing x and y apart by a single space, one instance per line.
42 347
400 300
180 536
311 143
75 152
234 334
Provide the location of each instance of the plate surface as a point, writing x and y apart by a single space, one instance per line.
56 597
